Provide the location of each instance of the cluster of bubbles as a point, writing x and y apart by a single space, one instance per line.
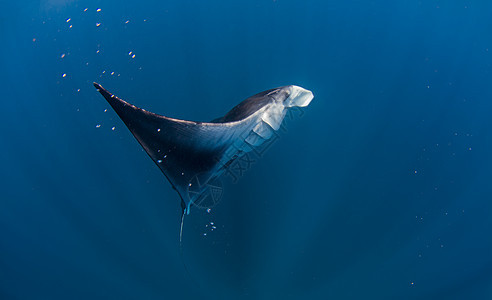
210 226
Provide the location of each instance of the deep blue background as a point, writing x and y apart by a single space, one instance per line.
381 190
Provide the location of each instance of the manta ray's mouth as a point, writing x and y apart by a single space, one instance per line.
298 96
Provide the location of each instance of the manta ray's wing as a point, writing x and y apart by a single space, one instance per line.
181 149
188 152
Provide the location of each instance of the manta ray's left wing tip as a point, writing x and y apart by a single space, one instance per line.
102 90
115 102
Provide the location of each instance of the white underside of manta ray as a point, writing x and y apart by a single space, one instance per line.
187 151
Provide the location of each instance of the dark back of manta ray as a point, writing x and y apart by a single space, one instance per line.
182 149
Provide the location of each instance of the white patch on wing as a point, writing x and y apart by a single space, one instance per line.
260 126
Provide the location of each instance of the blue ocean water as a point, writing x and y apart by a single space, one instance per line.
381 189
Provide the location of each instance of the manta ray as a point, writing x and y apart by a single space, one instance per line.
190 152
